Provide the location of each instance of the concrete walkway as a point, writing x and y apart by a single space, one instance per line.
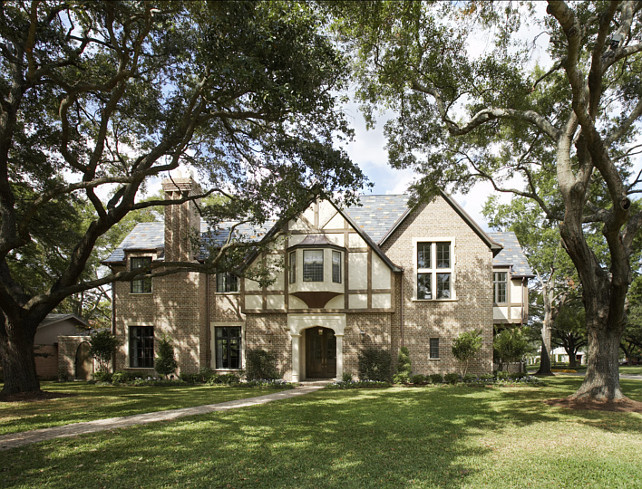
15 440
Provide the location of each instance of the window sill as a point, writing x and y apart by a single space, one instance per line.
228 293
414 299
434 359
141 293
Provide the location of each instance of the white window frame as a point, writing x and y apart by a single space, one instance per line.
433 270
507 283
218 324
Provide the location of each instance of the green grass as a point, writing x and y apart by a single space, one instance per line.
425 437
631 370
93 401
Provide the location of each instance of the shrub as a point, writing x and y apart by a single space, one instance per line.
229 379
346 377
436 379
102 376
124 377
375 364
466 346
103 346
418 379
63 375
260 364
165 362
487 378
452 378
502 375
401 378
510 345
358 384
468 378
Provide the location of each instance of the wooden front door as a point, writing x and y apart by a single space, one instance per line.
320 353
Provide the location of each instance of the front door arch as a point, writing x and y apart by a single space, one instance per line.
320 353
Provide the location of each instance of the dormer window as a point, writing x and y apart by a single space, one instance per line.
313 265
142 284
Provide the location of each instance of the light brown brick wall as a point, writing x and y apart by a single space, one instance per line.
445 320
46 361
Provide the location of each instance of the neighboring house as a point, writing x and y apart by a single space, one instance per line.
380 275
46 341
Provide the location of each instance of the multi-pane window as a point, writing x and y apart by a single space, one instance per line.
336 267
141 346
313 265
227 282
142 284
228 347
292 266
434 347
434 270
500 283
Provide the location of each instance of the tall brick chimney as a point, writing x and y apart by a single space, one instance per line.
181 220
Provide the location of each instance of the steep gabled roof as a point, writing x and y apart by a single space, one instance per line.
375 221
511 255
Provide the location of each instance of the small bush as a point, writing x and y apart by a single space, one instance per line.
260 364
358 384
437 379
375 364
272 383
102 376
418 379
165 362
401 378
488 378
502 375
229 379
124 377
103 346
468 378
346 377
452 378
63 375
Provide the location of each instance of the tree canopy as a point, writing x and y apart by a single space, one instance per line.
471 102
99 98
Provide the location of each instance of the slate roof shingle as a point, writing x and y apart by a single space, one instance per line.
511 254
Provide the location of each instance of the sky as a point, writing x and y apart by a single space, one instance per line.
369 153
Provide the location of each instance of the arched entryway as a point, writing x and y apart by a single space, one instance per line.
320 353
302 324
84 364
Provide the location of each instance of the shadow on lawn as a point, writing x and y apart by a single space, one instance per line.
424 437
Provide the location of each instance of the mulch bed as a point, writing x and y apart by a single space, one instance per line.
625 405
33 396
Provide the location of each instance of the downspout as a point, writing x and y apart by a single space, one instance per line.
208 339
401 308
113 320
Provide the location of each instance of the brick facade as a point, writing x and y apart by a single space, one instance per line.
187 308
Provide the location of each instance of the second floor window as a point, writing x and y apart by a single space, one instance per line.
227 282
142 284
313 265
292 267
336 267
500 282
434 270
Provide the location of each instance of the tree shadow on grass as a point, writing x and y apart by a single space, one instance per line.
417 437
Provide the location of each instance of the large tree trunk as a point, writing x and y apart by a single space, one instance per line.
602 380
18 361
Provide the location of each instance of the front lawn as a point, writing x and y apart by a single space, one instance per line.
631 369
410 437
96 401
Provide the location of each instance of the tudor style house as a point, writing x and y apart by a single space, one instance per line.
381 274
